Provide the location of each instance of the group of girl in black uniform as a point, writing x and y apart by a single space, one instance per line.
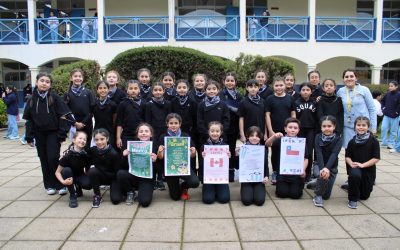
208 115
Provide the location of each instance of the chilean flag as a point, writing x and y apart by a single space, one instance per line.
289 151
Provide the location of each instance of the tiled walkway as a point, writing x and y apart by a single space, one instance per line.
30 219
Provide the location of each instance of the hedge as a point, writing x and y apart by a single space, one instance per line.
61 75
183 62
3 113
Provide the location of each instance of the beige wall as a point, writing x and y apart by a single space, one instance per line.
333 68
288 7
132 8
336 8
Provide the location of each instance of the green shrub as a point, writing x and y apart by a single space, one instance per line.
383 88
61 75
3 113
246 65
183 62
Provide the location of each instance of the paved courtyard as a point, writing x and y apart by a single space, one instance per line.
31 219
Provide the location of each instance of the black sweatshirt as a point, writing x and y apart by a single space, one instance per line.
306 112
129 116
364 152
107 161
81 106
192 95
327 152
118 96
155 115
103 115
266 93
218 112
331 105
44 115
188 112
77 161
280 108
233 106
253 114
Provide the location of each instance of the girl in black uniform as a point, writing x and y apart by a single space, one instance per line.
46 115
168 79
70 172
115 94
144 78
185 107
289 85
264 89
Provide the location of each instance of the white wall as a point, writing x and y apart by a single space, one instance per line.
132 8
333 68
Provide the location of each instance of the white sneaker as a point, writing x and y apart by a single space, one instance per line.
393 151
63 191
51 191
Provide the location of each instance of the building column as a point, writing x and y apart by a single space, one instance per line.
311 67
100 21
171 20
243 20
378 14
31 21
376 74
311 14
34 72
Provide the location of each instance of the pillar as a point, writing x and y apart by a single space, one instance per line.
378 14
376 74
34 72
171 20
31 21
243 20
100 20
312 14
311 67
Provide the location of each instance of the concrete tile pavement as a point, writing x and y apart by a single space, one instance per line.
30 219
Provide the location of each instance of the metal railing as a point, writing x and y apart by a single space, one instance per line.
129 28
345 29
213 28
277 28
66 30
391 30
14 31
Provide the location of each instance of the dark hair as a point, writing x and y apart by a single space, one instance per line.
41 74
173 115
229 74
251 82
132 82
278 79
290 120
79 132
349 70
14 90
362 118
216 123
395 83
157 84
212 82
114 72
329 79
102 82
199 74
167 73
104 132
305 84
313 71
376 93
263 71
50 97
256 130
183 81
330 118
144 124
289 74
142 70
73 72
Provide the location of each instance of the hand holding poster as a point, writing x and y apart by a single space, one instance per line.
216 164
140 163
251 163
292 155
177 156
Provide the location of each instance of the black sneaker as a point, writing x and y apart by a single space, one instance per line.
73 201
312 184
79 191
345 186
96 201
160 185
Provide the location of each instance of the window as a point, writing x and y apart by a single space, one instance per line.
187 6
15 74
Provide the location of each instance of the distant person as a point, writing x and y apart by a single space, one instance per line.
264 24
21 25
391 116
40 27
94 25
377 95
10 98
253 23
53 25
85 25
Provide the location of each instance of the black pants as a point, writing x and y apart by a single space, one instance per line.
309 134
82 181
324 187
252 193
361 183
175 189
48 149
291 187
98 177
129 183
216 192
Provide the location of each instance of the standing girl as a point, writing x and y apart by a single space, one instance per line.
157 110
168 79
362 154
129 182
215 192
178 189
46 122
184 106
105 110
391 115
254 192
70 171
287 186
289 85
262 80
314 78
306 112
144 77
115 94
81 102
10 98
232 98
327 148
130 114
331 104
106 164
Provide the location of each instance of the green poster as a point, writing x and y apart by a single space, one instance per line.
177 156
140 163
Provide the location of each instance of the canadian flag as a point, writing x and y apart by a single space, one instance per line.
216 162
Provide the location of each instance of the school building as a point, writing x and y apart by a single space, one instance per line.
312 34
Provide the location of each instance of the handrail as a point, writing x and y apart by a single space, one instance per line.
14 31
391 30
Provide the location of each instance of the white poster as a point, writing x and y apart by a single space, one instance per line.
251 163
292 155
216 164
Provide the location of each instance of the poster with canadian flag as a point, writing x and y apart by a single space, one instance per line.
216 164
292 155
